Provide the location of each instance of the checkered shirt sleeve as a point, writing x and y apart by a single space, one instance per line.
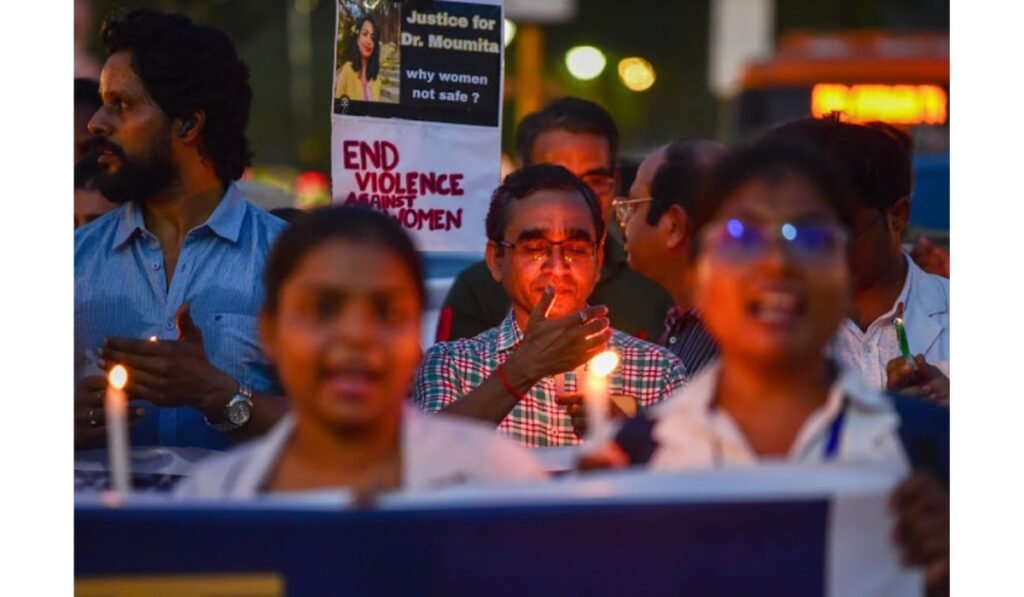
647 372
450 370
446 375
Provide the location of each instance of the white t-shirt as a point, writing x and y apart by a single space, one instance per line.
690 434
437 451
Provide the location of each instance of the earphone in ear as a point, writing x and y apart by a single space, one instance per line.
185 127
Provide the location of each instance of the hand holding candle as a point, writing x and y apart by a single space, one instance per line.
619 405
923 379
172 373
116 411
901 337
596 394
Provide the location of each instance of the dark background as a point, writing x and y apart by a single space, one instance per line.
290 122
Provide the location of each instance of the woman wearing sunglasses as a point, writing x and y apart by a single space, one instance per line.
770 274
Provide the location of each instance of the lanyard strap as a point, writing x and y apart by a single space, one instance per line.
835 432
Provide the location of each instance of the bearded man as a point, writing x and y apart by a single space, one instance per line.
168 284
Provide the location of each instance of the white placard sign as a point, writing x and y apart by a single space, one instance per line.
416 125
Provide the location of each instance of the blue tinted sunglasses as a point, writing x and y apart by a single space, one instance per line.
736 240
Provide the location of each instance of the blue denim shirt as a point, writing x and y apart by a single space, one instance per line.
121 290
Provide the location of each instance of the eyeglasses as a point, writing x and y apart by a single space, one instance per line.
625 208
737 241
541 249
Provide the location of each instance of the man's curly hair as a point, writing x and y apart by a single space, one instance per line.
188 68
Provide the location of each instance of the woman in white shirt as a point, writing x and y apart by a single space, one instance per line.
770 275
344 298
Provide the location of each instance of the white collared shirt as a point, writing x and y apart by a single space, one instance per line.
925 298
437 451
690 434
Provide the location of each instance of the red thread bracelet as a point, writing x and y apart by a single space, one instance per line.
508 387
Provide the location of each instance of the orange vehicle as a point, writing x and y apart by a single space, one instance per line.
899 78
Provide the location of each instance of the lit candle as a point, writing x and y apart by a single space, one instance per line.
595 392
116 411
152 338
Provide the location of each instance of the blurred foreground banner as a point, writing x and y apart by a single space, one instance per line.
416 126
778 530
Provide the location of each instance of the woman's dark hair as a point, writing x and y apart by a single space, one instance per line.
356 224
771 161
373 64
528 180
188 68
679 180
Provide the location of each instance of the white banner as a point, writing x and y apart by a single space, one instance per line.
434 179
416 129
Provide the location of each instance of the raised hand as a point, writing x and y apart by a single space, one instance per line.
171 373
552 346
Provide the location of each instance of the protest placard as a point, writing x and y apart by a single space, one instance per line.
416 128
757 530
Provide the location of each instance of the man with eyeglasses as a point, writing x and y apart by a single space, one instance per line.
582 137
887 284
657 220
545 239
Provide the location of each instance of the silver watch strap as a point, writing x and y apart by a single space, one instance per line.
226 425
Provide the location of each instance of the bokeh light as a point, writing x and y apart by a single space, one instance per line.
510 32
636 73
585 62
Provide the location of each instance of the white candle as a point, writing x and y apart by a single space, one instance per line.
595 393
116 413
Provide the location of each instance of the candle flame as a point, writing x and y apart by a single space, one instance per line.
152 338
118 377
604 363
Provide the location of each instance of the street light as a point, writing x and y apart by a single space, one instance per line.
585 62
636 73
510 32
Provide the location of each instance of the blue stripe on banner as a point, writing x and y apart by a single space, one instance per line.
732 548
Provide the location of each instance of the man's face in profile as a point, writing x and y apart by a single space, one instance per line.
133 141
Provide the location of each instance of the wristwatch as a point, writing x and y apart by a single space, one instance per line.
237 412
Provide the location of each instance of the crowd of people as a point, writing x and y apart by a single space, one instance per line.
753 304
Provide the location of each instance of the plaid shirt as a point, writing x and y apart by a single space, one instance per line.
450 370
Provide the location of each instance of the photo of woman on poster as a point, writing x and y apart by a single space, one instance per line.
357 78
